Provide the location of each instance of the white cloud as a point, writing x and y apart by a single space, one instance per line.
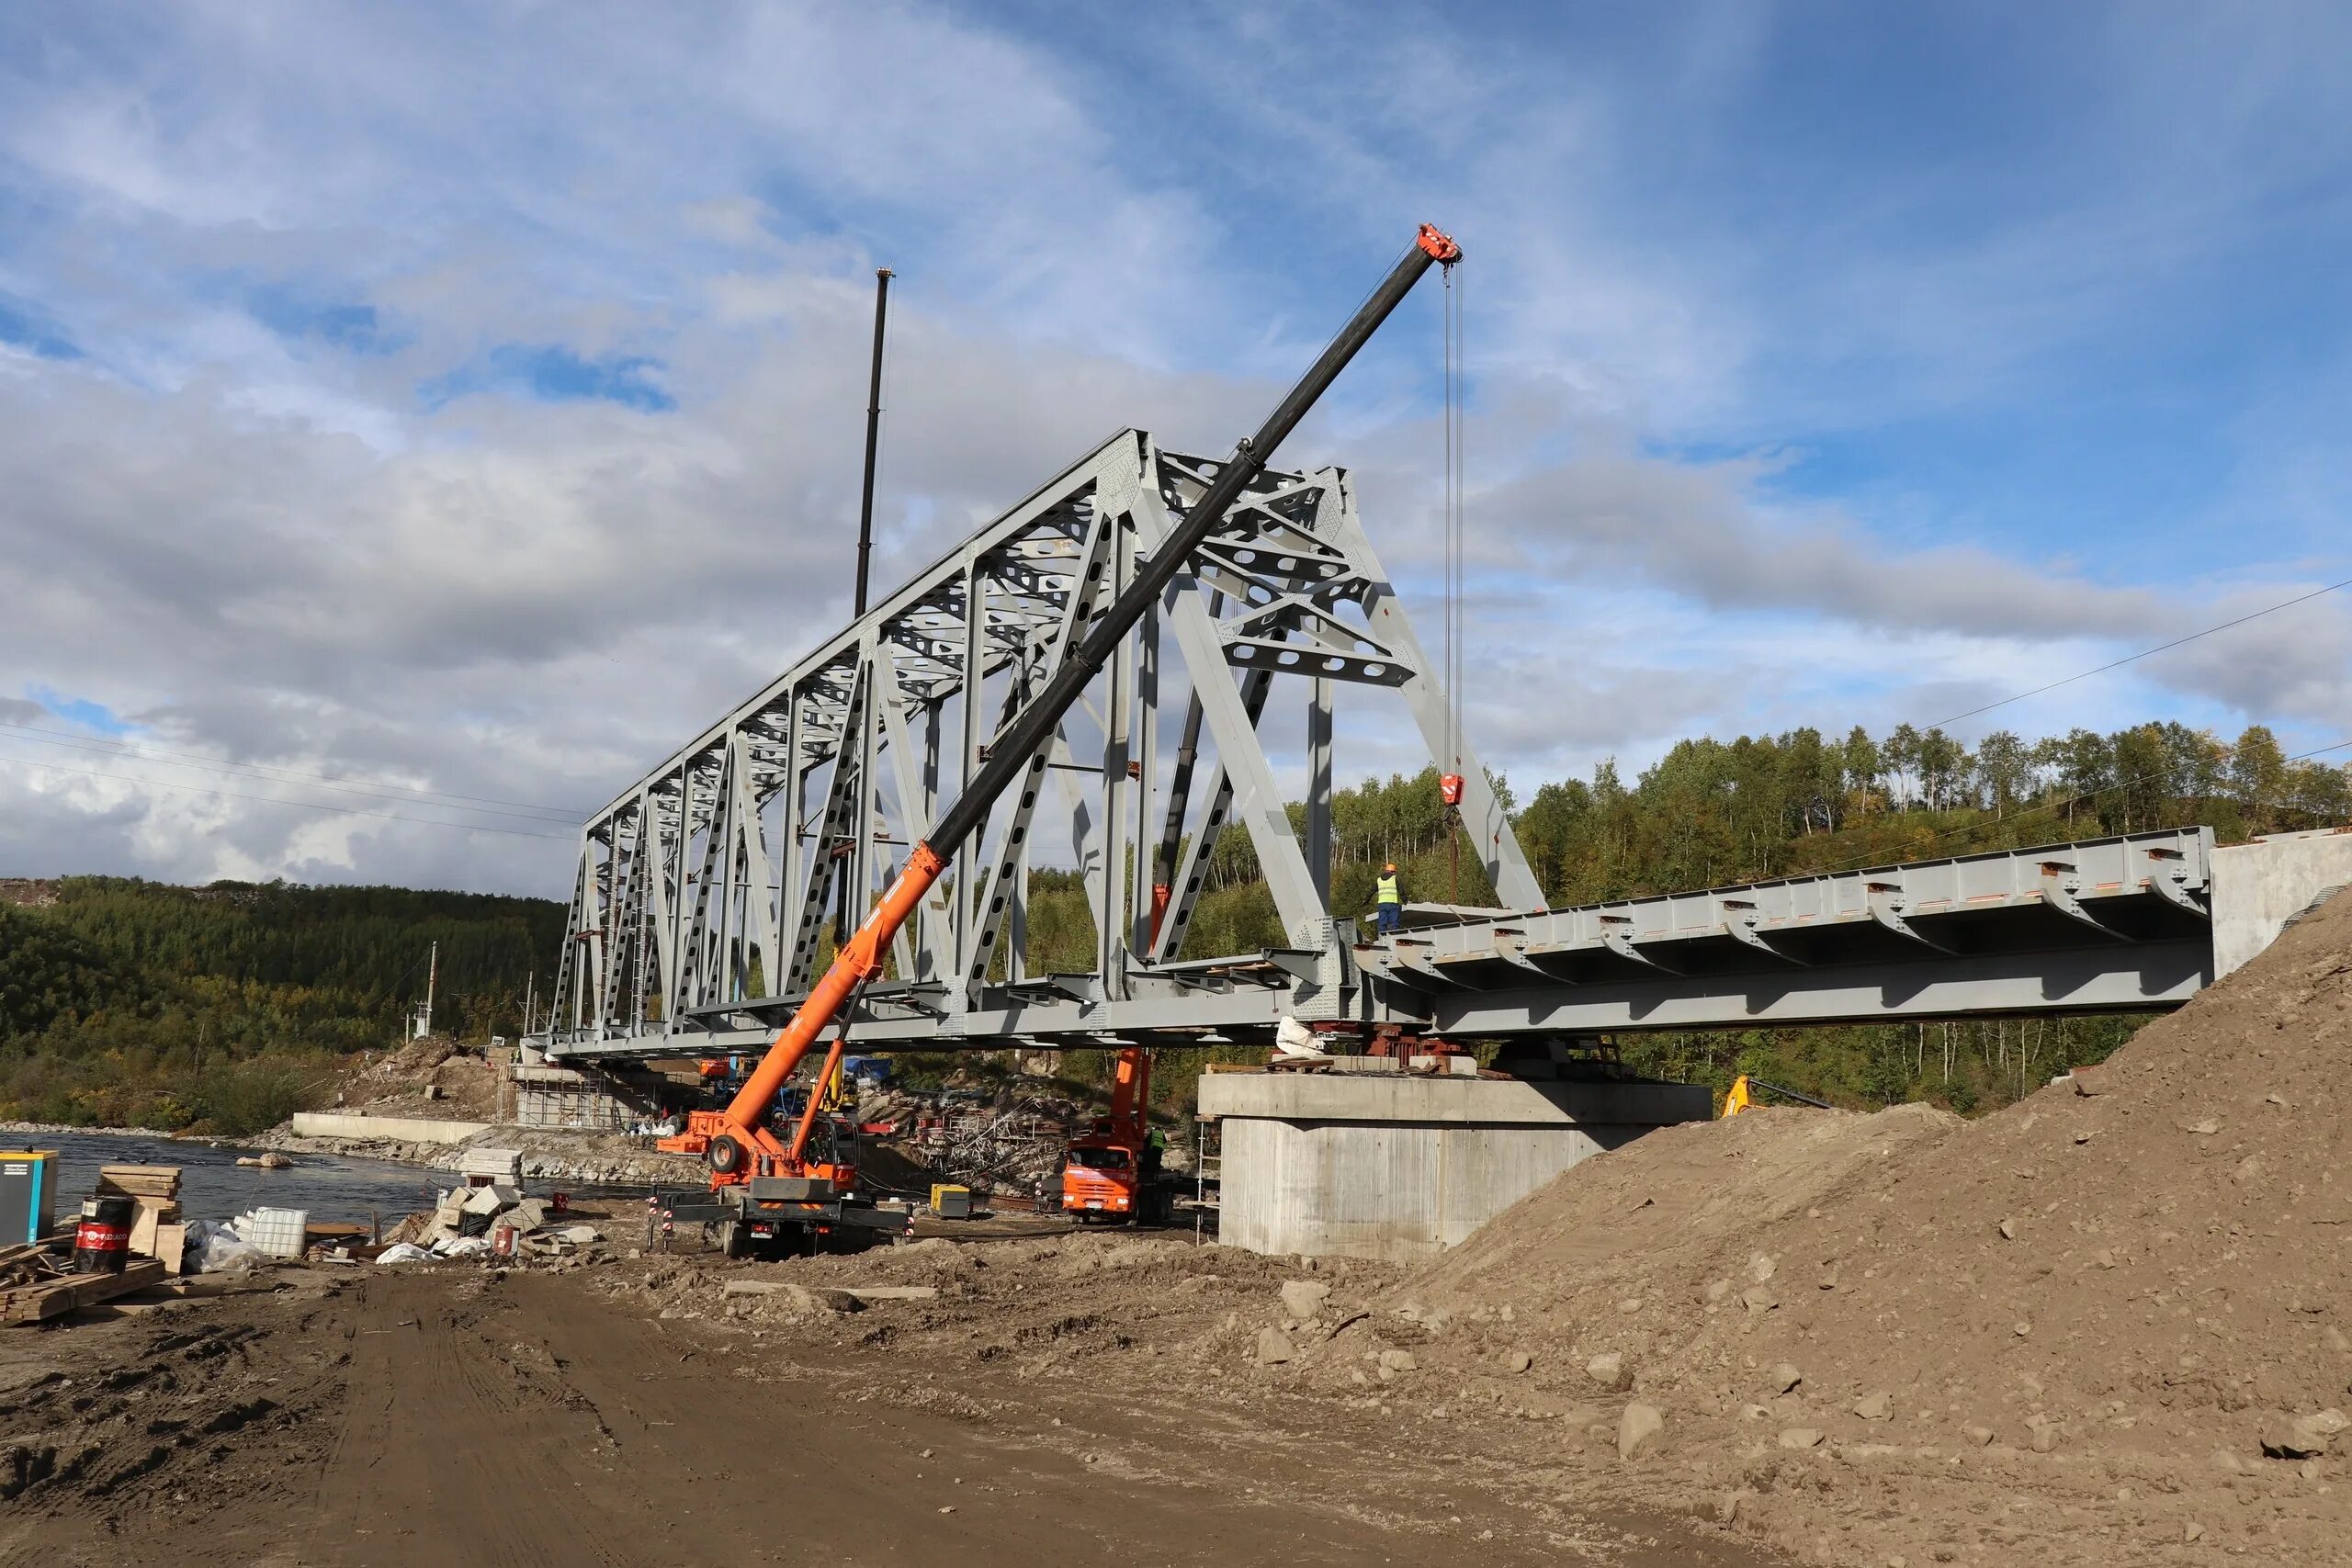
265 549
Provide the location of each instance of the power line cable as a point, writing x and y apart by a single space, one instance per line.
280 773
2146 653
281 800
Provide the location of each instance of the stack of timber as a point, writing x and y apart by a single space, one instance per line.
157 1181
36 1283
156 1230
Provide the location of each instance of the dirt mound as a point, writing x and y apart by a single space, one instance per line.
2127 1297
1671 1207
434 1076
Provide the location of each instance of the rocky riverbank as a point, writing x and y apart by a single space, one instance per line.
605 1159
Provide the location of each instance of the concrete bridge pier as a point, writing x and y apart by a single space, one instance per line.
1386 1165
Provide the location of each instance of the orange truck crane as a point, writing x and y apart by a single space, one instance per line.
1112 1168
768 1189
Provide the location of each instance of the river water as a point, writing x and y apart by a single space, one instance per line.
214 1187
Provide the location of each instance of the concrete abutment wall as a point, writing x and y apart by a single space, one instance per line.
1394 1166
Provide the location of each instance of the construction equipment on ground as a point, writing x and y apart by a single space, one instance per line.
1744 1089
768 1191
1112 1170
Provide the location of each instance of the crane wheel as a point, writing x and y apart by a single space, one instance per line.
726 1155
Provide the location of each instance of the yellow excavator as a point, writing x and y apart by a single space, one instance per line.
1745 1088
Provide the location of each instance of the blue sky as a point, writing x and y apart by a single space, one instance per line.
469 396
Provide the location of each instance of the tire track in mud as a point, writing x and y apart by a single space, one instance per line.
440 1456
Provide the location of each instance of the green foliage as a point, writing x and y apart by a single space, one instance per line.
48 970
1711 813
134 1003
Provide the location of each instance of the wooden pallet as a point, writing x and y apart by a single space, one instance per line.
55 1298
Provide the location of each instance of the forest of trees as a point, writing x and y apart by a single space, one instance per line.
133 1003
1711 813
130 1003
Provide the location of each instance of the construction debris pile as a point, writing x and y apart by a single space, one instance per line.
490 1218
1014 1143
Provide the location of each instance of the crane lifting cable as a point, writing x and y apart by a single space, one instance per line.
1456 620
739 1146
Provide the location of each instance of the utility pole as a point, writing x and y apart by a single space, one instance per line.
431 974
882 276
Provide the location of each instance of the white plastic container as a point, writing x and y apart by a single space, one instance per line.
277 1232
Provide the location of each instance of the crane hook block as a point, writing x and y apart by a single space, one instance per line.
1440 247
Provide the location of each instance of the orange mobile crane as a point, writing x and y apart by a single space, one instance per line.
766 1188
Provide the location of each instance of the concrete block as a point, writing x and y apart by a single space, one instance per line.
397 1129
2258 888
1398 1167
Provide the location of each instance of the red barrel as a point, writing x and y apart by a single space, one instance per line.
102 1239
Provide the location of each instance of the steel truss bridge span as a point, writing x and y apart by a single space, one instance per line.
704 893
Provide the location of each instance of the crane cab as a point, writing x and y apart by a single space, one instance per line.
1102 1179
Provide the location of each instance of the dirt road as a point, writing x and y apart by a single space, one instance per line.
459 1419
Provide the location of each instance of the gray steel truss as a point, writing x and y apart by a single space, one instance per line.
707 893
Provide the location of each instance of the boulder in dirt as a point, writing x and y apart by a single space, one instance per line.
1273 1347
1782 1378
800 1298
2302 1436
1639 1429
1876 1406
1395 1362
1800 1437
1609 1370
1303 1299
1517 1360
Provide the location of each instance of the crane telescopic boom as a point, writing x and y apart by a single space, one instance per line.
746 1147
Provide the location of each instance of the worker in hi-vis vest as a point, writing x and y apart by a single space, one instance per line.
1391 900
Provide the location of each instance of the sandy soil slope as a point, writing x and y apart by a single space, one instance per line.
457 1418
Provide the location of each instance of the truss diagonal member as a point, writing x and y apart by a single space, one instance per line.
997 891
928 949
1738 917
2060 886
698 939
834 835
759 888
1887 907
1199 847
1234 730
